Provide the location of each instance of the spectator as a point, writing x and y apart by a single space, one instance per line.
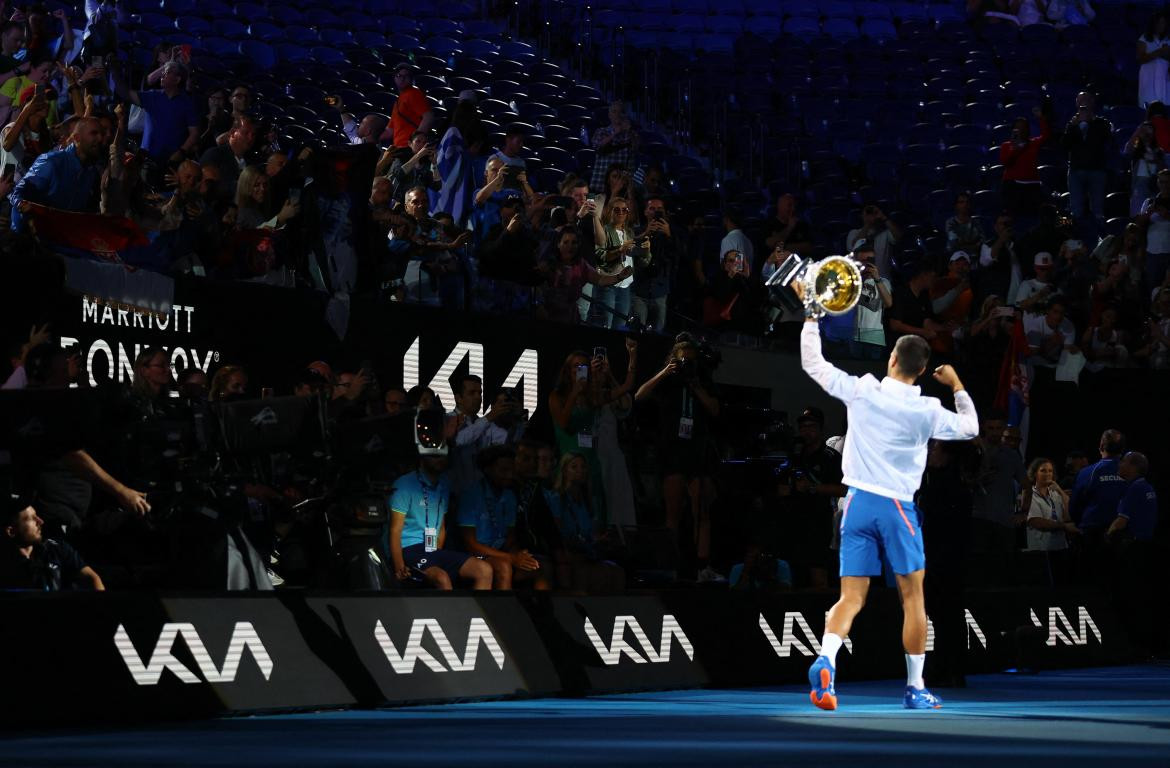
1001 477
812 490
1155 216
420 398
412 112
1046 505
24 139
998 265
616 143
619 183
985 343
615 253
217 121
229 382
253 207
172 126
1104 345
394 401
951 298
1019 156
736 240
458 153
575 416
787 230
1087 138
1032 294
417 531
509 154
579 564
1074 462
728 294
487 521
1146 159
1156 349
913 312
964 232
536 530
509 254
1050 334
230 158
12 36
368 131
66 179
655 268
882 232
568 275
31 561
40 70
192 384
688 407
861 329
473 434
417 170
1153 50
432 261
613 403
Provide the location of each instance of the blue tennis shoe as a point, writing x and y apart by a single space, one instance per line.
820 677
920 698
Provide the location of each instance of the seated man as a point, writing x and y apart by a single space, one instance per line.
417 530
487 519
30 561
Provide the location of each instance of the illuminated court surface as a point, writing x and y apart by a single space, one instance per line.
1115 716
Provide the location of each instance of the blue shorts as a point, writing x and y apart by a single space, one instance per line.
873 525
416 556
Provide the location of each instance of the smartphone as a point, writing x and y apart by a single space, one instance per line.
739 262
99 61
9 170
600 352
582 372
1074 245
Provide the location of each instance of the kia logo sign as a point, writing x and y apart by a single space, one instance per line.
611 654
244 637
413 652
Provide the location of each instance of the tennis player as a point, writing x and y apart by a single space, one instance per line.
890 423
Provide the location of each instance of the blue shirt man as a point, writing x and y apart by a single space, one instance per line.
1099 486
66 179
173 121
490 511
1137 512
422 502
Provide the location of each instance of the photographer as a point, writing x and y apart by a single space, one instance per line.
474 433
687 408
882 232
413 168
812 489
654 268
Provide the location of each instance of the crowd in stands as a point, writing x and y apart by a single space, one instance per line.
220 179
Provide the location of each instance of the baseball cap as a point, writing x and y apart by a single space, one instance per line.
1043 259
957 255
863 245
322 369
812 414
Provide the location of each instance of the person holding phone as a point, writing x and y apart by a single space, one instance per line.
415 167
26 137
615 253
576 412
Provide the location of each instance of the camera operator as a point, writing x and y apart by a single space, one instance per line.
687 408
812 489
654 267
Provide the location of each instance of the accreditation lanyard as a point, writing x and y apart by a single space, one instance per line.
686 421
430 532
1048 502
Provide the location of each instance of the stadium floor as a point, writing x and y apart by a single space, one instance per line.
1114 716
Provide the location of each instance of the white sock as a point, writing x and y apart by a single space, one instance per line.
914 664
829 647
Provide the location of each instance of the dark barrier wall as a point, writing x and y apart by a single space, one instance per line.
132 656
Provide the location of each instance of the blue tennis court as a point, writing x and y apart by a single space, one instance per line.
1081 717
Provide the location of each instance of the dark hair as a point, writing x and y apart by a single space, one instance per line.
1155 109
1152 24
1112 442
490 455
913 354
458 383
734 214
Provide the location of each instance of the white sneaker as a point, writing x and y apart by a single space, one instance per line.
710 574
275 578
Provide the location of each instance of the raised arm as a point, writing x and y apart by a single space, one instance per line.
963 425
831 379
